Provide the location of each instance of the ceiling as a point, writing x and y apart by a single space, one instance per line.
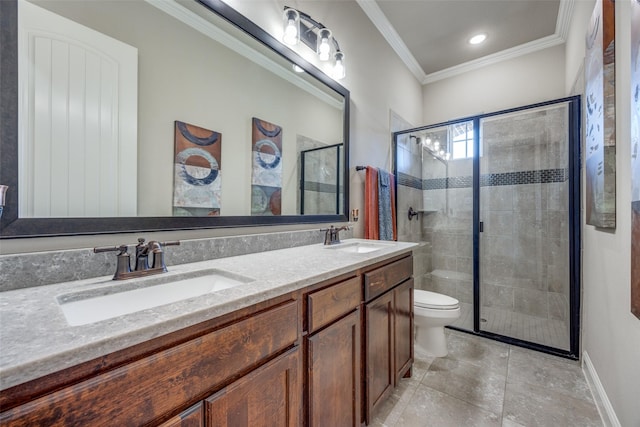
431 36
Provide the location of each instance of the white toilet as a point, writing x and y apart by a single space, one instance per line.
432 312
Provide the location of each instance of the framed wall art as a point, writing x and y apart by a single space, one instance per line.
266 180
197 171
635 157
600 136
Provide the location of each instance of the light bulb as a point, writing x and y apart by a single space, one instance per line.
291 33
291 23
436 145
324 48
478 38
428 141
447 155
441 152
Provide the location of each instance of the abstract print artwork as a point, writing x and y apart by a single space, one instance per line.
266 182
600 139
635 157
196 188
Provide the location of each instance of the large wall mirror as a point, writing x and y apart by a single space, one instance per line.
143 115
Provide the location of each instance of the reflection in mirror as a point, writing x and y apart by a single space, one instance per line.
321 185
102 85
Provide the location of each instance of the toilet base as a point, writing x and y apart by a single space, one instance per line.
432 340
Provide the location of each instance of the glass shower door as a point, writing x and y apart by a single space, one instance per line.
320 187
524 251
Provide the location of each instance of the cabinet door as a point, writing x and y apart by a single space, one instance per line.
270 396
403 318
192 417
379 358
334 366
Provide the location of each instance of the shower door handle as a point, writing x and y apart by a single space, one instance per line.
481 227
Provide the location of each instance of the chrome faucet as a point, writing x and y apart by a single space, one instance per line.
143 250
332 234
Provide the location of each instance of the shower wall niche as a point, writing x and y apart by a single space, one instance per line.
498 203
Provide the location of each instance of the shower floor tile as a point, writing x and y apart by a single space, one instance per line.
549 332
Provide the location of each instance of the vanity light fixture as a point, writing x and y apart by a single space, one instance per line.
478 38
298 26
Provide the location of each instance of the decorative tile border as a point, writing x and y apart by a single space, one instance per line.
544 176
409 181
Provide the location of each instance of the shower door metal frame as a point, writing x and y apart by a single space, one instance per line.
574 165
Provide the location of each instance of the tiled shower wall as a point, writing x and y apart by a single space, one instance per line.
448 225
409 173
524 206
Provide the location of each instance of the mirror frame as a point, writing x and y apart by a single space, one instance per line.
13 227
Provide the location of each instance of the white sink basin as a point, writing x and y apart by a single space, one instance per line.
86 307
360 246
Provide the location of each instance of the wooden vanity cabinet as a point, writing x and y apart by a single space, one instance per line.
325 355
333 362
259 349
403 329
388 331
192 417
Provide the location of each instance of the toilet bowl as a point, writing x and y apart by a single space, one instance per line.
432 312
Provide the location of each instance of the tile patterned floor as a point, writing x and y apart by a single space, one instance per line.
486 383
549 332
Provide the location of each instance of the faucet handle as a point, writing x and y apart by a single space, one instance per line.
123 265
158 253
329 234
123 249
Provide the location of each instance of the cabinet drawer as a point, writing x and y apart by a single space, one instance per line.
142 391
329 304
380 280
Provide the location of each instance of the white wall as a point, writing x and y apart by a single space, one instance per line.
528 79
610 333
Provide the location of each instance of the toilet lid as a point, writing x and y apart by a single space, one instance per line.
427 299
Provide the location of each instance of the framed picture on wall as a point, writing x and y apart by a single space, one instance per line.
600 129
197 173
635 157
266 180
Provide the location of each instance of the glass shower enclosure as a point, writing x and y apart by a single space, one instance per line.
321 190
498 202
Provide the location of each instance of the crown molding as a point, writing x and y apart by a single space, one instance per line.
514 52
565 14
375 14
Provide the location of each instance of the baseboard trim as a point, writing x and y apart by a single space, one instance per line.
608 415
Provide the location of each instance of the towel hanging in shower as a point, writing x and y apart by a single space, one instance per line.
380 212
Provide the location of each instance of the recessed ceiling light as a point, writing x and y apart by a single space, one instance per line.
478 38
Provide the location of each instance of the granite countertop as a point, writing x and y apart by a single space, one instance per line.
36 340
